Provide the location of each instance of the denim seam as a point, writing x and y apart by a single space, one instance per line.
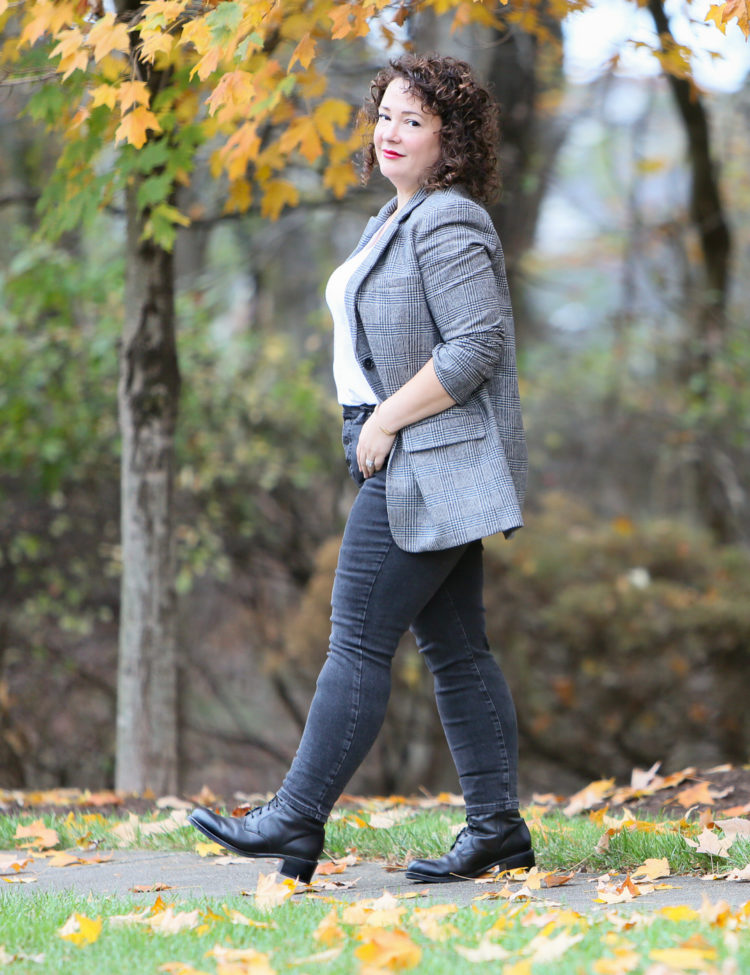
349 738
488 699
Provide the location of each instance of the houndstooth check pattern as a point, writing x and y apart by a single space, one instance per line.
434 285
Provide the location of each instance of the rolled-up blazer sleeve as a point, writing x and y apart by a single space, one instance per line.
457 250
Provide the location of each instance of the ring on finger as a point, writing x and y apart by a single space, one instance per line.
370 463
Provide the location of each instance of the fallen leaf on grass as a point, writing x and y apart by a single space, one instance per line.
544 949
7 959
173 802
243 961
485 951
709 842
180 968
388 949
320 959
381 912
128 832
13 864
150 888
391 817
237 917
269 893
624 960
37 836
734 827
329 931
684 959
81 930
170 921
590 796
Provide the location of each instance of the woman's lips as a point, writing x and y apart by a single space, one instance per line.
390 154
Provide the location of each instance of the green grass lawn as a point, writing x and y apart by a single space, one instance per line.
307 935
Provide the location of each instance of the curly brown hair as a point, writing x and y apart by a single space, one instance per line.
469 136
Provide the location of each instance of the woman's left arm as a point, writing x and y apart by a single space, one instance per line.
424 395
469 310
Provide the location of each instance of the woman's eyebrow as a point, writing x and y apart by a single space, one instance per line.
408 112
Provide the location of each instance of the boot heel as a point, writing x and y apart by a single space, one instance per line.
298 869
524 859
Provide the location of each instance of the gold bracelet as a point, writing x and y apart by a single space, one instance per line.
388 433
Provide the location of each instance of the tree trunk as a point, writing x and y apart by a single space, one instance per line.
148 401
713 482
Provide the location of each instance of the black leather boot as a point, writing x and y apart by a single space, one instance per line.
490 840
271 831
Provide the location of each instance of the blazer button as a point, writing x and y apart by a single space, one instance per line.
368 363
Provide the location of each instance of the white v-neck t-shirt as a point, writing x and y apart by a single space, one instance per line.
352 388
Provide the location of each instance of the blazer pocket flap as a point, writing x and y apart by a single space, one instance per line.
443 429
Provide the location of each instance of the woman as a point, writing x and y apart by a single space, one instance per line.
424 365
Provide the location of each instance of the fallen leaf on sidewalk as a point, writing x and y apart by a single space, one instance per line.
150 888
739 874
651 869
616 893
13 864
207 848
20 879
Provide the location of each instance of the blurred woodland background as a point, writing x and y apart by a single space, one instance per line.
621 613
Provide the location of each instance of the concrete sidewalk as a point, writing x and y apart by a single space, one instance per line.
189 875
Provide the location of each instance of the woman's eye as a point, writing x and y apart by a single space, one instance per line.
382 115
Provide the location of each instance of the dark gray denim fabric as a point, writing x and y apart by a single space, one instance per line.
379 592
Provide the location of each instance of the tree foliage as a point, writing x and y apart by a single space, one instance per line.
247 78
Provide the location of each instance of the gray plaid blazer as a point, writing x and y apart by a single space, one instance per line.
434 285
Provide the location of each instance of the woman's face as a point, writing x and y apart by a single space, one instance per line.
407 139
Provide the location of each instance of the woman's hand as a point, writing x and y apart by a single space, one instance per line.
374 446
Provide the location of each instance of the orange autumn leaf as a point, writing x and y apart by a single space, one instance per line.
388 949
37 836
135 125
278 194
304 52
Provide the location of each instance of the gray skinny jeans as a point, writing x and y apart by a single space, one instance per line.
379 592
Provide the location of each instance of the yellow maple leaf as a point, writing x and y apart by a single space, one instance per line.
329 931
72 52
240 961
81 930
239 198
206 848
329 114
155 42
303 134
135 125
684 959
652 869
131 93
624 960
104 95
304 52
106 36
269 892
